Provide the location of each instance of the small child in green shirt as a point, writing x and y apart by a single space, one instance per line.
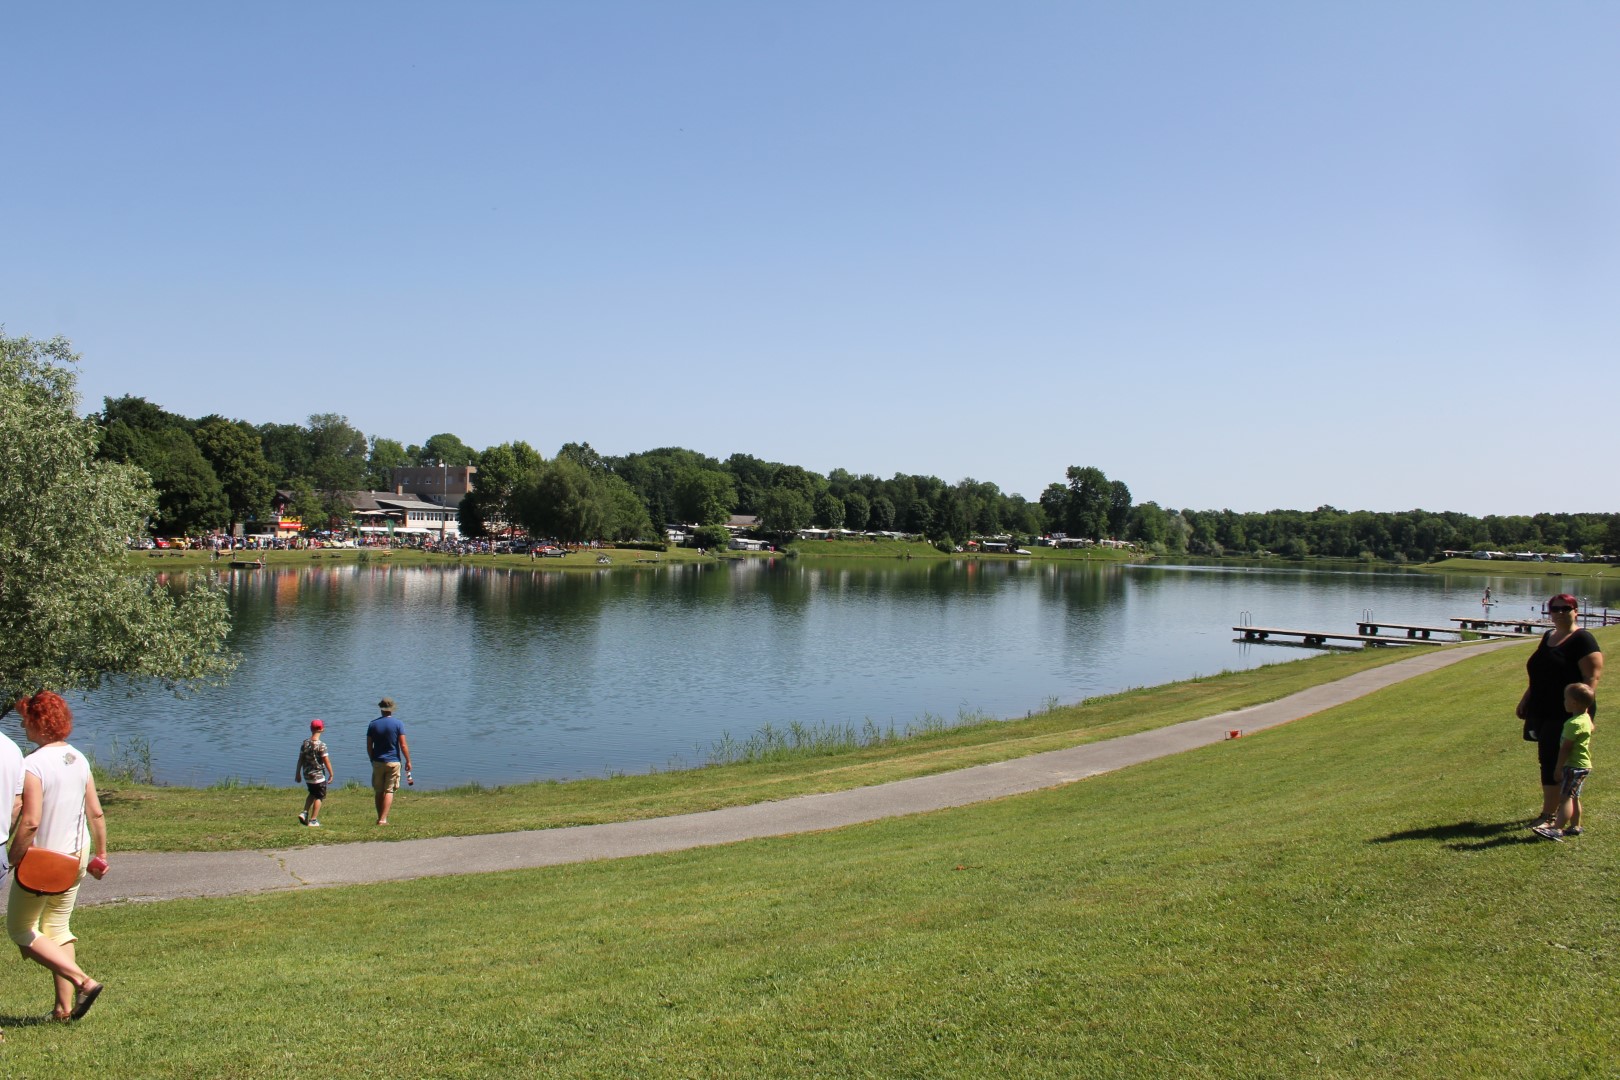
314 768
1574 761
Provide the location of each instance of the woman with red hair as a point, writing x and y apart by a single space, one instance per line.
60 812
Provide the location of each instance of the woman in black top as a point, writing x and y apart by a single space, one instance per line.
1566 655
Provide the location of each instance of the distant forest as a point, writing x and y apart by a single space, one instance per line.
211 473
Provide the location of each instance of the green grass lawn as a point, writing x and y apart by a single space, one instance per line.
145 817
1514 568
1351 895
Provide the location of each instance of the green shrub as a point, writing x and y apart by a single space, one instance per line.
711 537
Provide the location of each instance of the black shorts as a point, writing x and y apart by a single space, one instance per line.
1548 740
317 791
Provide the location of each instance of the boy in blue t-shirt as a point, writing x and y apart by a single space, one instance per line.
1574 761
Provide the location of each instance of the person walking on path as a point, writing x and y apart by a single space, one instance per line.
387 748
61 813
11 785
1567 654
1574 762
11 778
314 768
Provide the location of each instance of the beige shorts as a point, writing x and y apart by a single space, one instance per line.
384 776
29 916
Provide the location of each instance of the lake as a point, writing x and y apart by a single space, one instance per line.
506 676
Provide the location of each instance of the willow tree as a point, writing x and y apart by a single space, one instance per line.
72 614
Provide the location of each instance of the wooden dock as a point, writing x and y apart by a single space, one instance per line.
1322 637
1423 632
1523 627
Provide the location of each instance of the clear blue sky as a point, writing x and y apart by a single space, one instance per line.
1237 255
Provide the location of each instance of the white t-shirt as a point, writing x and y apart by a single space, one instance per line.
63 775
11 772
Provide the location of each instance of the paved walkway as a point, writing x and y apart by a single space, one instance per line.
138 876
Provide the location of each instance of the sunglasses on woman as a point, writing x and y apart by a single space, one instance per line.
1560 610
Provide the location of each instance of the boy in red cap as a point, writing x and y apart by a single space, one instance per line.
314 768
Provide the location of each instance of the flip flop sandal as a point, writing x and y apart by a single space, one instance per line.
86 999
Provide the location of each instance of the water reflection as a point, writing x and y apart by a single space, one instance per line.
506 675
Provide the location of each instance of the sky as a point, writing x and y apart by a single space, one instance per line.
1240 255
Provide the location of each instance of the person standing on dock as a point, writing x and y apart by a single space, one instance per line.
387 748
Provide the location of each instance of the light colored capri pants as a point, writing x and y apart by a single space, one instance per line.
29 916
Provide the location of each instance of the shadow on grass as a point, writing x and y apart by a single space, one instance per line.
1467 835
7 1023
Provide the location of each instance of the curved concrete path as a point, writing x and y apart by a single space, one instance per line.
141 876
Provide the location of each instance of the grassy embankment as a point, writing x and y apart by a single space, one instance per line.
1514 568
230 816
1351 895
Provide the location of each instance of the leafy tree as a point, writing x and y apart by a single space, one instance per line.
954 516
857 511
1024 517
625 515
560 502
704 496
235 451
829 511
71 614
580 454
138 414
923 520
711 537
652 475
386 455
1119 508
503 471
803 481
784 510
1055 503
752 478
190 497
447 449
338 451
288 449
881 517
1149 525
1087 508
305 503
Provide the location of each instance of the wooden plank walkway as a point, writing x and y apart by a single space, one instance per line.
1522 626
1414 631
1322 637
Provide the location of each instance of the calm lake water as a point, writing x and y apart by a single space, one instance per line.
506 676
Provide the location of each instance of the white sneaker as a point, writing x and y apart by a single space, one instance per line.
314 824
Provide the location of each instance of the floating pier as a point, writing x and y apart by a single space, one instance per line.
1322 637
1412 631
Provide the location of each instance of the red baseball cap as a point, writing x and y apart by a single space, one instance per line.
316 725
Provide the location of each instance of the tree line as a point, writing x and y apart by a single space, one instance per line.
212 472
